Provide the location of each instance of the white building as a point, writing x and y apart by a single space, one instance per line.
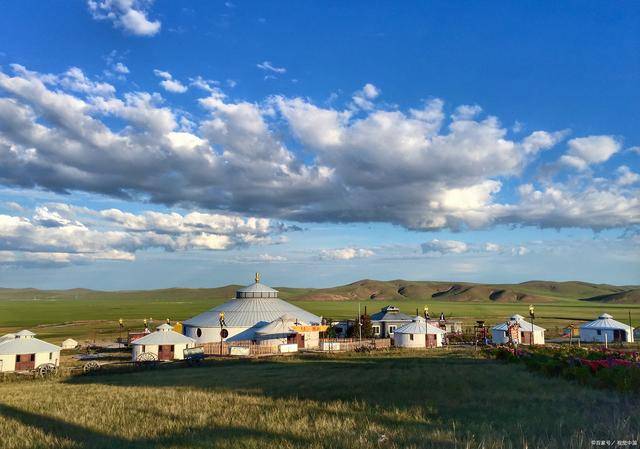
23 352
418 334
288 330
605 329
500 335
252 308
69 343
164 343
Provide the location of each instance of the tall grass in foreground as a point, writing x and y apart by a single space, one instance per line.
392 400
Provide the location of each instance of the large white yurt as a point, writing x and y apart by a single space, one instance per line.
605 329
164 344
287 329
23 352
418 334
500 335
253 307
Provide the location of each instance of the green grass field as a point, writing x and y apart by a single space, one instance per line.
57 319
444 399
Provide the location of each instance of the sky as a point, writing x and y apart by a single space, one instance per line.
158 144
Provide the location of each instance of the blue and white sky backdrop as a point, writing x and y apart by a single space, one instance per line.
153 144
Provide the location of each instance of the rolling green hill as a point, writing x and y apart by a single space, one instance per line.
367 289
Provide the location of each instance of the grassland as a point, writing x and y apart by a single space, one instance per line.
391 400
96 316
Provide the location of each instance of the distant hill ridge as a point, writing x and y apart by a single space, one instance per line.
369 289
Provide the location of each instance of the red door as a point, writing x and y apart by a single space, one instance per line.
431 340
300 340
165 352
25 362
526 338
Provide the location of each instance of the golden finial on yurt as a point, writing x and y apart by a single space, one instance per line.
257 277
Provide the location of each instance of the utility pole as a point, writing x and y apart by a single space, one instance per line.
630 328
359 324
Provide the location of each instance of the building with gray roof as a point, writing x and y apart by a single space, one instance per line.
252 308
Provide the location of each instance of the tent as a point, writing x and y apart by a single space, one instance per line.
605 329
23 352
163 344
418 334
499 332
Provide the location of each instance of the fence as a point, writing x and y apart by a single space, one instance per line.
224 348
351 344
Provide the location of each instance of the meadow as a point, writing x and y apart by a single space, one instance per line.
397 399
88 318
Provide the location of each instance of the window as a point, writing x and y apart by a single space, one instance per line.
51 356
411 337
33 357
199 332
376 330
392 329
599 332
142 348
172 348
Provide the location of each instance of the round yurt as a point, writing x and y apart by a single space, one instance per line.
418 334
163 344
524 333
23 352
252 308
606 329
69 343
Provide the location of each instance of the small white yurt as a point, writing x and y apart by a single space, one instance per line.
500 332
163 344
606 329
23 352
288 329
418 334
69 343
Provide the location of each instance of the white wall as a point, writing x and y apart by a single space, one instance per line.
8 361
499 337
404 340
591 335
212 334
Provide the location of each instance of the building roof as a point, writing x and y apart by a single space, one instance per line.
24 343
280 326
6 337
70 340
606 321
418 326
261 305
524 325
164 335
390 313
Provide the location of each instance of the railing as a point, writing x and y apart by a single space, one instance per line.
224 348
351 344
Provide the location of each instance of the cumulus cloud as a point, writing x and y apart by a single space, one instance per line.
60 233
346 253
445 247
129 15
626 176
363 98
414 168
585 151
170 84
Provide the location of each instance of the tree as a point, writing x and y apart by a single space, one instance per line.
367 328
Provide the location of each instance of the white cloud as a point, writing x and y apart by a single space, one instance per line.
492 247
445 247
346 253
267 66
129 15
121 68
585 151
172 85
626 177
362 99
519 251
414 168
62 233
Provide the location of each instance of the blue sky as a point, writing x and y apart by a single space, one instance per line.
155 144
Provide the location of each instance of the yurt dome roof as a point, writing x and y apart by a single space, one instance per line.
418 327
163 336
26 344
524 325
606 321
280 326
259 305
